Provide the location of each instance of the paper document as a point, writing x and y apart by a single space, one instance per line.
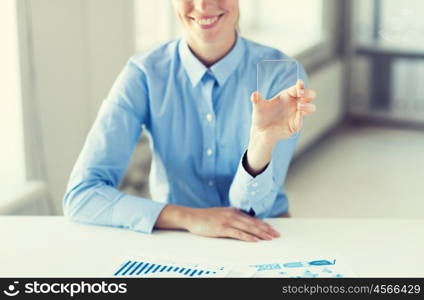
144 266
317 268
147 266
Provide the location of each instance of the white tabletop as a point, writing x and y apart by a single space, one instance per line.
55 247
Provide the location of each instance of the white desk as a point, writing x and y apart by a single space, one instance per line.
54 247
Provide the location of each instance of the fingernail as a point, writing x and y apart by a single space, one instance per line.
302 91
300 105
273 233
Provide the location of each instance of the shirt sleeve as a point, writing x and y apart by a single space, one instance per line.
92 196
257 195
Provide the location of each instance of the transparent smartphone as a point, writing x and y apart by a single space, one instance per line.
275 76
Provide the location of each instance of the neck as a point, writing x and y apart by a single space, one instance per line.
210 53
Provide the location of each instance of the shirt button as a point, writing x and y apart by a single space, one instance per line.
209 152
209 117
255 184
253 193
210 183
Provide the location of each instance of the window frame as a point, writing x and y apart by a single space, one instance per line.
34 185
335 22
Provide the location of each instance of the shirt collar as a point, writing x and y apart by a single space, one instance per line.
222 69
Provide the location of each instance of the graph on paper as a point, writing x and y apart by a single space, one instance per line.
152 266
318 268
161 268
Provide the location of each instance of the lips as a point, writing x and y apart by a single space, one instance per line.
207 22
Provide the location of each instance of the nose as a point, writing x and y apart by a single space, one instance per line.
204 5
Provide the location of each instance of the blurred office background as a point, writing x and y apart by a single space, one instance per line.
360 155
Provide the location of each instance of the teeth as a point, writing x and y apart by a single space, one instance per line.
206 21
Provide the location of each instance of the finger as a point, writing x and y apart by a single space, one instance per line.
256 97
291 91
252 229
298 120
259 224
308 96
240 235
272 230
295 91
306 107
300 88
250 220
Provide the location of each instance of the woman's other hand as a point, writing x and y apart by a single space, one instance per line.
229 222
216 222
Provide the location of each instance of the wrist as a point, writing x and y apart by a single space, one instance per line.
187 216
259 152
174 217
261 137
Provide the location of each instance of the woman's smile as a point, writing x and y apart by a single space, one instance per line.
206 22
209 26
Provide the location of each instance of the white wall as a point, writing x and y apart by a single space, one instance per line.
78 48
12 170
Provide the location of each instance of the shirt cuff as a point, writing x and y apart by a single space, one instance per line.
248 192
136 213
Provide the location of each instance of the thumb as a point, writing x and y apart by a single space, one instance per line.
256 97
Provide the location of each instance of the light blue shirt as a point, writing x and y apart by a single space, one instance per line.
198 122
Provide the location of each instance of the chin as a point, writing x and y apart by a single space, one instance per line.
210 37
213 35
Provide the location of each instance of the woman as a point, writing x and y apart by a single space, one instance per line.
219 160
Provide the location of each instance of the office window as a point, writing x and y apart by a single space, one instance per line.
393 31
402 21
291 26
12 170
390 21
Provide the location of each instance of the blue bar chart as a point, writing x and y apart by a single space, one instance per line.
145 268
